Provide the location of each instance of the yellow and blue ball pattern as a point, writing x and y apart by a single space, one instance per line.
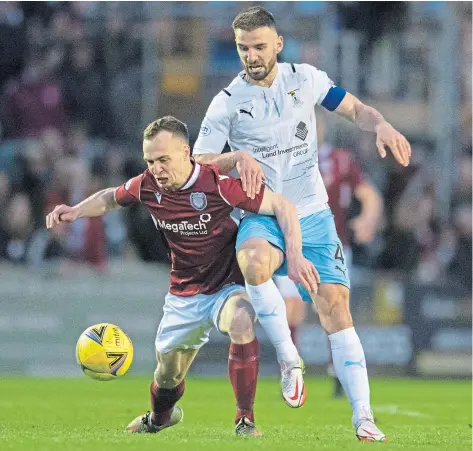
104 352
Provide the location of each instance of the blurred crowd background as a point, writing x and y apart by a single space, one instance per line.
79 81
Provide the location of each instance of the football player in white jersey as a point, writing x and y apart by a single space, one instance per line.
267 117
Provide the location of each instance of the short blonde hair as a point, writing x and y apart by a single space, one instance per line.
168 123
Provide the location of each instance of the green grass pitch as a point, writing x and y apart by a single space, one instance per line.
82 414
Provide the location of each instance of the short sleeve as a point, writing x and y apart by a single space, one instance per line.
129 192
326 93
232 193
215 127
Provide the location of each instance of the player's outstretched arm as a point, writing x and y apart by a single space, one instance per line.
248 168
95 205
300 270
369 119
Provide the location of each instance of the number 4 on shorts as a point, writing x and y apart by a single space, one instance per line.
339 254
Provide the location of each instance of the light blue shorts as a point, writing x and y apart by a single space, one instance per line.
320 245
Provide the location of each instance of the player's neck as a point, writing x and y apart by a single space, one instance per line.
265 82
184 178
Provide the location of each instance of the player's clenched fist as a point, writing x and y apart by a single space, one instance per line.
62 213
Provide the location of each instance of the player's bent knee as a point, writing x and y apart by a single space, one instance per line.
258 264
237 319
172 367
168 379
241 327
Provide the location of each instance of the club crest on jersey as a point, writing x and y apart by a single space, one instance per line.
198 200
158 197
296 100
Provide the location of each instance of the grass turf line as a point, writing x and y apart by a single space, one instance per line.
82 414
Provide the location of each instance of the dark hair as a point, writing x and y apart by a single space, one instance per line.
168 123
253 18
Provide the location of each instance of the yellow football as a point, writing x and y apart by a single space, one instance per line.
104 352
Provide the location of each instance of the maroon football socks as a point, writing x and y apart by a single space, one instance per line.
243 365
163 401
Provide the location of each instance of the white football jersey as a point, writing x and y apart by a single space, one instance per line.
277 126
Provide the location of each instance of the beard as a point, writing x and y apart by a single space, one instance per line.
262 72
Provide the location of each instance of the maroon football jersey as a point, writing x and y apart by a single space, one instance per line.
341 175
197 224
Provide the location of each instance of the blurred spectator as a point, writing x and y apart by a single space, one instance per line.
54 145
17 227
4 197
125 90
72 78
111 170
380 24
64 28
416 241
122 54
12 37
121 47
33 103
71 186
41 11
37 36
461 265
409 225
84 94
462 194
19 242
34 174
460 269
5 189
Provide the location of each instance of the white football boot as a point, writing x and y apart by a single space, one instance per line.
293 388
366 429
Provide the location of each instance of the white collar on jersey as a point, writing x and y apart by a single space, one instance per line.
192 178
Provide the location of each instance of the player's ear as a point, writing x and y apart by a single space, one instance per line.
187 152
279 44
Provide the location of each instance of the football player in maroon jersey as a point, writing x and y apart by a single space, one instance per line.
192 205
